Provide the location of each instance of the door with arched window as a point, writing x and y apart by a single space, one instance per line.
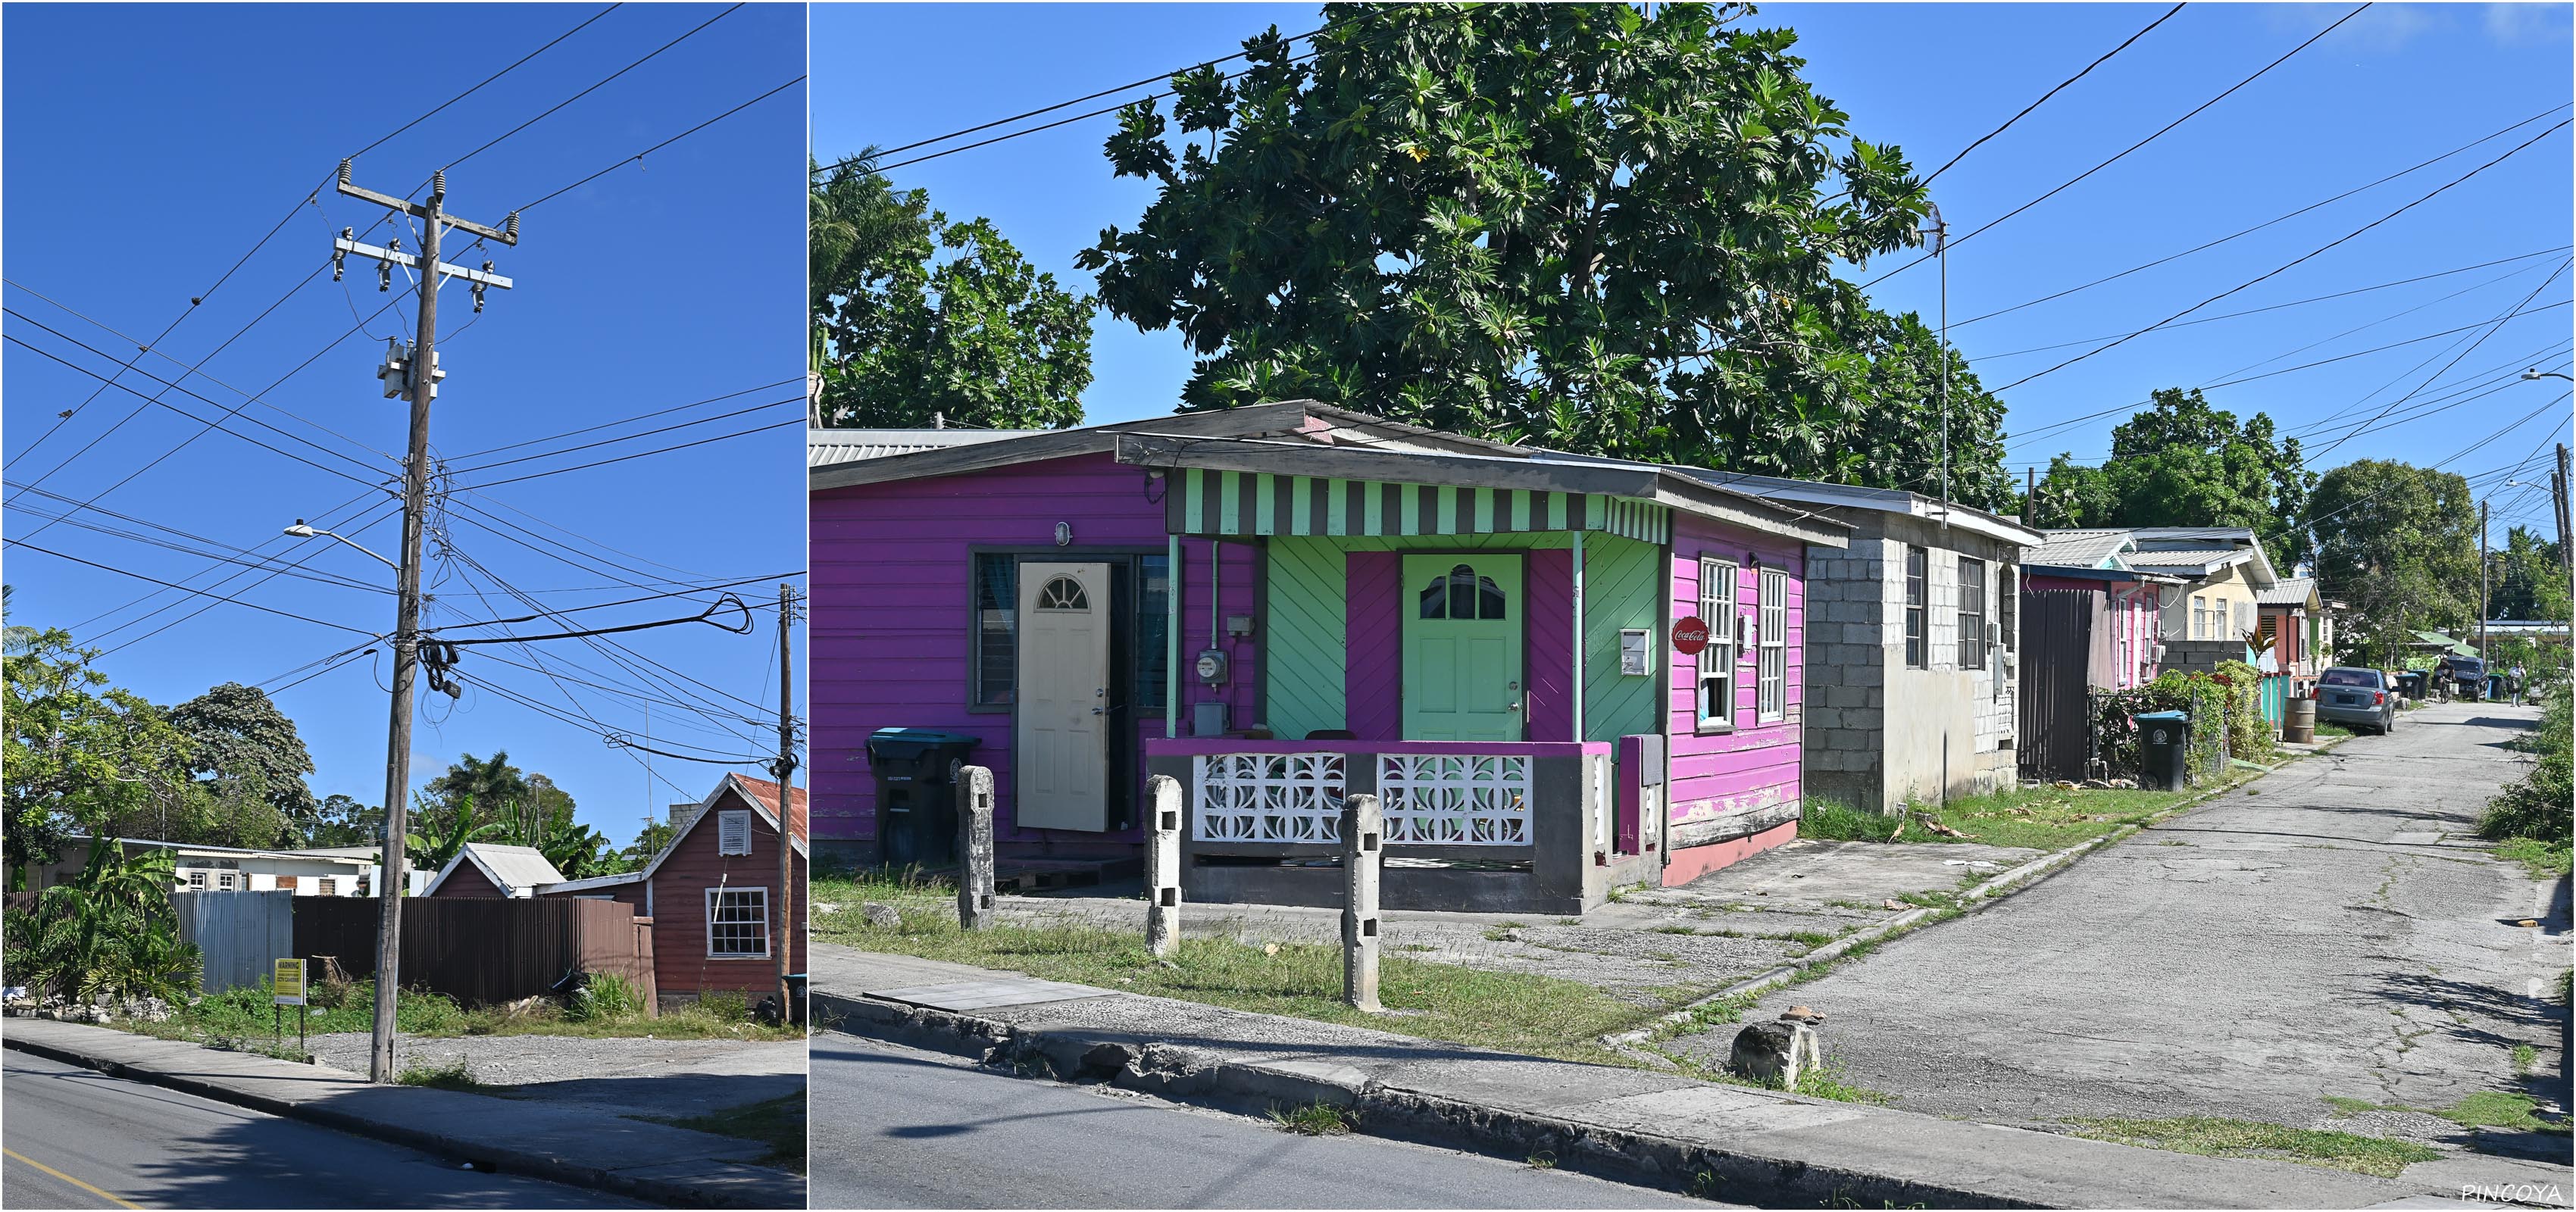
1462 647
1061 779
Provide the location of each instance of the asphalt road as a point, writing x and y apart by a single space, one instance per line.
80 1139
2334 929
899 1128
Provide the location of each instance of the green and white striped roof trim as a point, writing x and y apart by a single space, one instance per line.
1203 502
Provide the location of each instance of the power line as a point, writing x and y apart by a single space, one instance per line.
474 454
165 628
2043 99
2417 167
242 555
2358 290
166 584
639 156
538 475
1008 135
548 454
2160 132
602 83
652 597
2286 266
2495 326
478 85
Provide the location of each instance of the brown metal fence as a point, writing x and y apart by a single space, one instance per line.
482 951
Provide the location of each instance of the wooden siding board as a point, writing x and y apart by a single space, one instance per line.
468 880
1620 590
680 908
1551 644
1757 763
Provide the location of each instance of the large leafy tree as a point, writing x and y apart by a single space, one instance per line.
1897 443
2399 545
1577 225
246 755
80 756
345 821
919 318
2181 462
2527 579
492 783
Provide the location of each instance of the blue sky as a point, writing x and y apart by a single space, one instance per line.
2396 85
146 149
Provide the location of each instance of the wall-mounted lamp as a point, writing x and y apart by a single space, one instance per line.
1063 534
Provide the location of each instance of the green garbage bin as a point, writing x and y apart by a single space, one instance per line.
916 802
2164 750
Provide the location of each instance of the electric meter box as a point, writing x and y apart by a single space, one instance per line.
1636 652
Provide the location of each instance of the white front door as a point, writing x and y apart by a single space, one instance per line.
1062 775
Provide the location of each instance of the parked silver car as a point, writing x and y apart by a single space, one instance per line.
2358 697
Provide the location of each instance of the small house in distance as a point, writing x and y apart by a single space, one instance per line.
1910 643
2212 618
712 895
486 869
2088 623
341 871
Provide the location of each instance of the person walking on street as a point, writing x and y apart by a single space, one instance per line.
2517 684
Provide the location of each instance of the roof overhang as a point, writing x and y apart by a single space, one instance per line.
2137 575
1878 500
1635 481
2202 570
596 881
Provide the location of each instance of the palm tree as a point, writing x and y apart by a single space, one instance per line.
435 851
112 930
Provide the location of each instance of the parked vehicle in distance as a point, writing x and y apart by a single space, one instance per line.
2362 698
2464 677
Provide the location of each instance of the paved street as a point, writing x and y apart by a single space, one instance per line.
900 1128
79 1139
2334 929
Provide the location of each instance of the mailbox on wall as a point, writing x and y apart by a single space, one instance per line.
1636 652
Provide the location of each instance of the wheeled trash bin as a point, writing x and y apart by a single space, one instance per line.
2164 750
916 803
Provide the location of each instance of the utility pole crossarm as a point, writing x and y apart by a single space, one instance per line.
507 233
343 246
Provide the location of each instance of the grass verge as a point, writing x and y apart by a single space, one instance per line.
2039 818
1511 1012
2214 1136
455 1075
778 1123
1312 1119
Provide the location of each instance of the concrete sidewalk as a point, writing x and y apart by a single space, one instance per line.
565 1144
1724 1142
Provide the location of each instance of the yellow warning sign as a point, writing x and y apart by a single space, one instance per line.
289 982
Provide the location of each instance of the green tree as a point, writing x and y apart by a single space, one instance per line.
112 930
247 756
493 783
344 821
2181 462
649 841
1898 439
1577 225
445 828
79 754
917 317
2398 544
2528 581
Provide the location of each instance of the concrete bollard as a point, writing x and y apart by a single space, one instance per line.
1163 866
974 845
1363 851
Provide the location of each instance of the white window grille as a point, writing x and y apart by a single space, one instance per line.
1269 797
2199 616
1717 589
1455 799
1600 800
223 881
733 831
737 923
1771 672
196 881
1972 613
324 885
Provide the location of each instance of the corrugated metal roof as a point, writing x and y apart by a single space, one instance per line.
826 447
2189 558
2079 549
2293 592
515 868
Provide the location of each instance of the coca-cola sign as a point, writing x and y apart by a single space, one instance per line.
1690 635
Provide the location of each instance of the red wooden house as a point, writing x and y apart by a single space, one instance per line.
713 895
482 869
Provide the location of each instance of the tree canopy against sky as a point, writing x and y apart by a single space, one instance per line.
2527 580
79 753
917 318
2398 544
2180 462
1580 226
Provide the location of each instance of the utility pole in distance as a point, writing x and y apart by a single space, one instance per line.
421 374
785 769
2566 557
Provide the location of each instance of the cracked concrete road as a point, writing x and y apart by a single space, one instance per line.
2332 929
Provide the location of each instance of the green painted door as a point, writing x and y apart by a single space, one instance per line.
1462 647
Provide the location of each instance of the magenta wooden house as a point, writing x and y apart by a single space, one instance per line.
1284 604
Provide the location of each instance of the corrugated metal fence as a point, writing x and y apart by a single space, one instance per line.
239 932
2065 648
484 951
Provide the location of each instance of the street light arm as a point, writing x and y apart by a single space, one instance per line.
2548 374
302 531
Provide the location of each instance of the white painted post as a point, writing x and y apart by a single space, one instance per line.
1163 866
1363 850
974 846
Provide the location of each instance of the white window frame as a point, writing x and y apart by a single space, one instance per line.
1972 626
1717 661
325 886
224 882
196 881
713 895
1771 651
729 823
2199 616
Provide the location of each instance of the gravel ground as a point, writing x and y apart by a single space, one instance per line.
1726 926
628 1076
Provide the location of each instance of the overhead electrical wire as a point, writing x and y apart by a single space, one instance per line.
799 422
639 156
2497 325
569 433
548 454
166 584
549 111
2043 98
2124 152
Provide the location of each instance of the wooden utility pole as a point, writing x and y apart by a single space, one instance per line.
2030 495
422 375
786 772
2482 580
2558 484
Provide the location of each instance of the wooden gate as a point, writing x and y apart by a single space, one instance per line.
2066 647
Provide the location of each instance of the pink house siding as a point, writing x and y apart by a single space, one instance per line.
892 566
1736 793
2132 611
1372 679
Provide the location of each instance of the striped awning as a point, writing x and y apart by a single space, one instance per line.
1203 502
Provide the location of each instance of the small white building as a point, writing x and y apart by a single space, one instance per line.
324 871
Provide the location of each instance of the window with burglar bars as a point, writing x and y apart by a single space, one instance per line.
737 923
1771 672
1918 641
1972 613
1717 661
326 886
733 831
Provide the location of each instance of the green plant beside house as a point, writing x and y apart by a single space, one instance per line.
2529 819
110 933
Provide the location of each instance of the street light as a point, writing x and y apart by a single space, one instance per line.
302 531
2537 373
